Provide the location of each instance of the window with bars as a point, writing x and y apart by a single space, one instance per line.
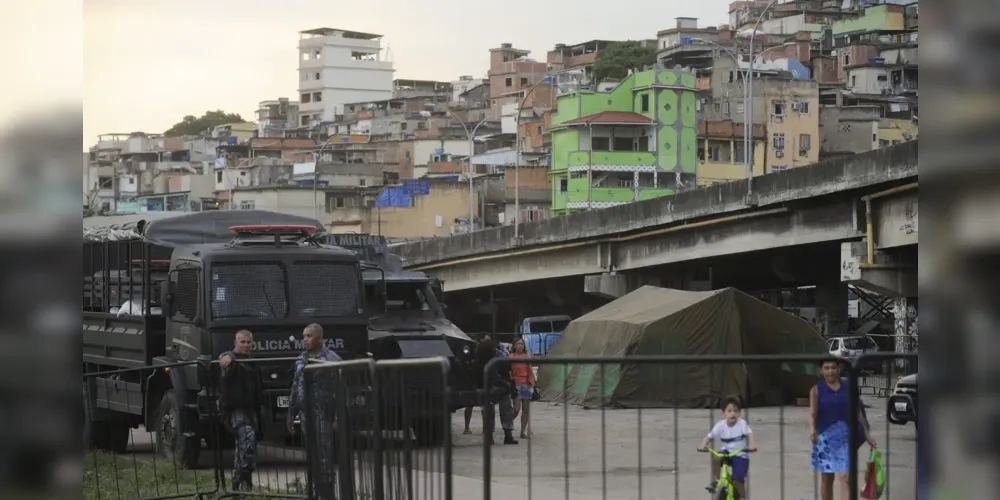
185 300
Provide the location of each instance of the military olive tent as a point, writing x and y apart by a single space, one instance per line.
662 321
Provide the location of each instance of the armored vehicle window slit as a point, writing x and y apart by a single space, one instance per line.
249 289
325 289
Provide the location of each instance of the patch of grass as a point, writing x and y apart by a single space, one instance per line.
107 476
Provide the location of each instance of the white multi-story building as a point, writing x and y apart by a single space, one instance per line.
338 67
464 84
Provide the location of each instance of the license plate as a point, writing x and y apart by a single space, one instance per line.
282 401
900 406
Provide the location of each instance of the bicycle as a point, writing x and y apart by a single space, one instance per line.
725 488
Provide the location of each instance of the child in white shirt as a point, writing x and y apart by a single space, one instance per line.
734 433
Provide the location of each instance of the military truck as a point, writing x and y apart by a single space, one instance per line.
407 320
159 291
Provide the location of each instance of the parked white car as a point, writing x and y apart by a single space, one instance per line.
851 347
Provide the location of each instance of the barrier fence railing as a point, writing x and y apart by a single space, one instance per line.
383 429
901 409
649 414
879 379
134 419
128 456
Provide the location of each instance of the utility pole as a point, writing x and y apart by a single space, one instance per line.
517 155
470 135
747 104
749 91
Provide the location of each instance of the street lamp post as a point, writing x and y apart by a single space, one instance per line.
748 113
517 156
470 135
316 160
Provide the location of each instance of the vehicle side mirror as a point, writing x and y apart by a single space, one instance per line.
444 306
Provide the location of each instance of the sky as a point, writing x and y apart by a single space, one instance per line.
148 63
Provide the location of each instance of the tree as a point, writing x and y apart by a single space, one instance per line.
190 125
616 60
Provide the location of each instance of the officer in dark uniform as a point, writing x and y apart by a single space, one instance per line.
498 388
321 410
240 401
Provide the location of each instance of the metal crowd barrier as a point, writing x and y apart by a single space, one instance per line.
127 457
128 452
895 463
382 429
597 433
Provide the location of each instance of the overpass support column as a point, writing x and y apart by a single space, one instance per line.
831 298
904 313
612 285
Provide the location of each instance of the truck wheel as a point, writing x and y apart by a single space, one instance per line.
431 430
171 441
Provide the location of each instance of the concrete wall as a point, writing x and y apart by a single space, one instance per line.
868 79
290 201
896 220
879 17
865 171
848 130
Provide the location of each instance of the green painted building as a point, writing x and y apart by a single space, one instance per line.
636 142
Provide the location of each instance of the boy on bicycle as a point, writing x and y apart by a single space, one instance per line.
734 433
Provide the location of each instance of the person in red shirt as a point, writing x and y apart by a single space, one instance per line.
524 380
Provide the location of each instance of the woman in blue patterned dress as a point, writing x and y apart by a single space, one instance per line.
828 429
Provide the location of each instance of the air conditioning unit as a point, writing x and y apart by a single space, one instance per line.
796 106
779 153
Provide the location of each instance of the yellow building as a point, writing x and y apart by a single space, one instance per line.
242 131
893 131
792 112
430 215
720 152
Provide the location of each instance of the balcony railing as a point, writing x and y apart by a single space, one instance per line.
635 158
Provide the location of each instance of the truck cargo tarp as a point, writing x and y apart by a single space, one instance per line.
187 229
661 321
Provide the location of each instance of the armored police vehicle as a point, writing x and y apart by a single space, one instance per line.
407 320
159 291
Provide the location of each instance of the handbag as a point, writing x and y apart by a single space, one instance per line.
534 394
874 476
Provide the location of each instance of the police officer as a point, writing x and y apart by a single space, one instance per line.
239 397
312 338
498 392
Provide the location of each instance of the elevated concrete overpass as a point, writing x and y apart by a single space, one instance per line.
823 203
